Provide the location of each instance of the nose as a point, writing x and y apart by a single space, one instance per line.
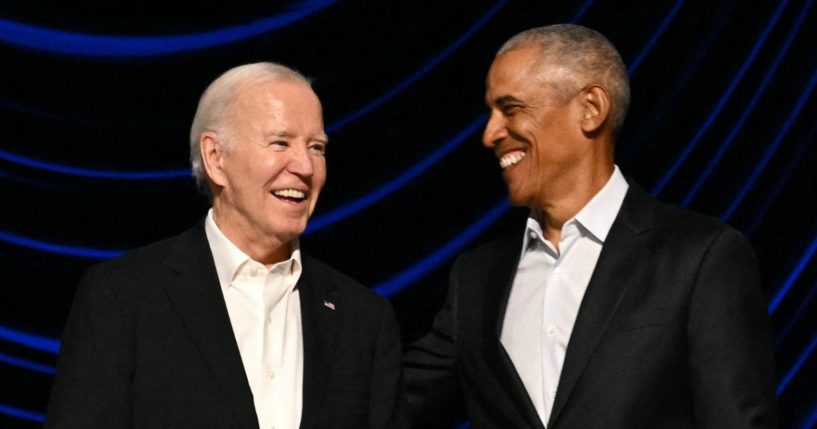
301 162
495 130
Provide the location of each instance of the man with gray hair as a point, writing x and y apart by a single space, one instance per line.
606 308
229 324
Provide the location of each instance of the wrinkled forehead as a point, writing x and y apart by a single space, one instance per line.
290 105
279 92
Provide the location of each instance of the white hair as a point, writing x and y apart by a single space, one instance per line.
216 101
586 55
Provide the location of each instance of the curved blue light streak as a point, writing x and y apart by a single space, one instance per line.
647 126
60 249
793 276
73 118
771 149
407 276
342 122
422 71
22 414
782 179
795 317
654 39
92 173
811 421
316 224
36 342
577 17
27 364
761 89
103 46
784 382
722 102
404 278
319 222
387 288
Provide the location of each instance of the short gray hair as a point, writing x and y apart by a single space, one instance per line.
585 54
217 100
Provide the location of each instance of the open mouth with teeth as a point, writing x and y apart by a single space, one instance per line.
291 195
511 158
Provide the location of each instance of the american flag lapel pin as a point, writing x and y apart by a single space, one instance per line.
329 305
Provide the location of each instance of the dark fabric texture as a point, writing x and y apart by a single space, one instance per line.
148 344
672 333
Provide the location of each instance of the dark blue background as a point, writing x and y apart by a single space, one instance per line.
96 103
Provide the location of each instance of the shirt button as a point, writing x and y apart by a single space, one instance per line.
558 270
271 375
551 330
532 235
269 320
254 271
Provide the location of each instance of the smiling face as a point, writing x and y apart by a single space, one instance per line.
534 128
269 168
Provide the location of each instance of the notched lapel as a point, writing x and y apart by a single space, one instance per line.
615 273
196 295
320 326
498 282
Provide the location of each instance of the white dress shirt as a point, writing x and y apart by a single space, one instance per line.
265 312
548 289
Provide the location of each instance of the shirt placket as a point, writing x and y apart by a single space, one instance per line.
554 338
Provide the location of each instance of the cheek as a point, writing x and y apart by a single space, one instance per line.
526 129
319 175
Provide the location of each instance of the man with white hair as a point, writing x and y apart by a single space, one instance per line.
605 308
229 324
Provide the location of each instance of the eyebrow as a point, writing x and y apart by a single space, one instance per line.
506 99
323 138
278 133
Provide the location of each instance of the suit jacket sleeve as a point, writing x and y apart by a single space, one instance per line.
387 396
729 333
435 398
92 385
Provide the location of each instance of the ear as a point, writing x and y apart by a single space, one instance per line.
212 153
595 103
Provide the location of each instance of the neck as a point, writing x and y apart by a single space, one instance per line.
570 195
265 249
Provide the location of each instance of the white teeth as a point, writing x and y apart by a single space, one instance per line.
511 159
290 193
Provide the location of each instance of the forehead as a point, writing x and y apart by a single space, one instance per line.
278 107
277 94
515 71
514 63
525 73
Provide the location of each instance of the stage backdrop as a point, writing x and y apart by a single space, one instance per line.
96 102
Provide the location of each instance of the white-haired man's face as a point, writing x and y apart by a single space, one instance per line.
269 174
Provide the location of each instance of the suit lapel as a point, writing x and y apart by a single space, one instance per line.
610 282
196 295
498 282
320 327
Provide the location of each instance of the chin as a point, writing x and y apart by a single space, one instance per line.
288 230
518 200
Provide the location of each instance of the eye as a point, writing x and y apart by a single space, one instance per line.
279 144
510 109
317 148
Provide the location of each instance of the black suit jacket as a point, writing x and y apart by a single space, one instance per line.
672 333
148 344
